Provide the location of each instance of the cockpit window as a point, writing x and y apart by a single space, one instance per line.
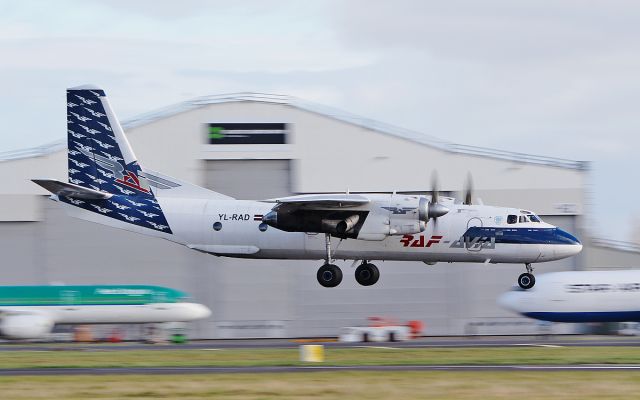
512 219
523 218
534 218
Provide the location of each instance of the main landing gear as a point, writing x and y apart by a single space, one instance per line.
330 275
367 274
527 280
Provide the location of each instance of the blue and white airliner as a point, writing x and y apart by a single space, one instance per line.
109 186
579 296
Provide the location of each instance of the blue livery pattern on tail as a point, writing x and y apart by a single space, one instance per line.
100 158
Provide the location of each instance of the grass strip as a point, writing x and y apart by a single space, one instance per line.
560 385
334 356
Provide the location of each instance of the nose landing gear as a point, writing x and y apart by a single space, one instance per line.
527 280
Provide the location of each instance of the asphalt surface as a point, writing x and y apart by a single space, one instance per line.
431 342
444 342
254 370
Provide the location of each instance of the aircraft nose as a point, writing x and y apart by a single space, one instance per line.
513 300
507 300
577 248
564 237
570 245
198 311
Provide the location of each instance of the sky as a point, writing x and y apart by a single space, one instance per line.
553 78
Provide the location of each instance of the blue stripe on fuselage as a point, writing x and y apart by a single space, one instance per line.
608 316
523 235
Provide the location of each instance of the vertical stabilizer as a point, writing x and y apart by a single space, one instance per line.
100 158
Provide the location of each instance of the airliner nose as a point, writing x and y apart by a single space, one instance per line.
516 300
198 311
504 300
507 300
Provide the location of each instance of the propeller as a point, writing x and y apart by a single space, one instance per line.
433 209
435 188
468 190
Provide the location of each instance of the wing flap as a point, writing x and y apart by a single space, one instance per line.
322 201
70 190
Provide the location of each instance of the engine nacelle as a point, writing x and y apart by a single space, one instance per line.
347 224
385 215
339 226
398 214
25 326
340 223
407 214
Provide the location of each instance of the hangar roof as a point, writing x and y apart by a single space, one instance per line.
330 112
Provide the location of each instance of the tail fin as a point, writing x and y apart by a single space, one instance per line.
100 158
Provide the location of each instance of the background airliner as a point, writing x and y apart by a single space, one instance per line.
107 185
30 312
579 296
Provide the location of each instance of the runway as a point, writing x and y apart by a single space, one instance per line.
435 342
429 342
294 369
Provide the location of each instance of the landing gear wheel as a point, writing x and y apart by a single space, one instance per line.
329 275
526 280
367 274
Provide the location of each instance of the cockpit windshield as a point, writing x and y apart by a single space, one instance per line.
534 218
524 218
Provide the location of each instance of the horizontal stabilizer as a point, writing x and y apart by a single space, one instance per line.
71 190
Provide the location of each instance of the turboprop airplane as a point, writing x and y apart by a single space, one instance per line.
579 296
107 185
31 312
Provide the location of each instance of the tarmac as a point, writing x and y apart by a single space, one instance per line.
436 342
285 369
427 342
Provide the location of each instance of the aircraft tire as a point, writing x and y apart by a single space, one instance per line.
329 275
526 281
367 274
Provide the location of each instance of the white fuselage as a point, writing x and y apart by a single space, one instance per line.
239 235
114 314
579 296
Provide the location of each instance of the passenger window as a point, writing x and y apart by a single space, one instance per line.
512 219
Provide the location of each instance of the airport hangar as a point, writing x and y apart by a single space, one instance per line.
286 146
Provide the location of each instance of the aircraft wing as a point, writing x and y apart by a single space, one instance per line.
321 201
70 190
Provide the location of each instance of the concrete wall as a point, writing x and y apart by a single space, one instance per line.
602 258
